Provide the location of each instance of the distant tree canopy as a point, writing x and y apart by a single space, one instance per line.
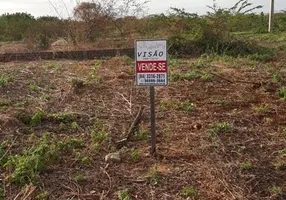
124 19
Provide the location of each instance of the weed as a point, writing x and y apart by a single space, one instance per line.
123 195
276 190
33 87
3 157
62 126
282 48
206 77
5 79
219 127
98 137
27 167
75 126
282 93
188 106
221 101
83 159
173 62
180 77
260 57
126 59
99 124
203 62
37 117
94 73
141 135
1 193
80 179
42 196
58 67
45 97
3 103
276 77
70 144
262 108
284 132
267 120
52 86
246 166
282 153
77 83
62 117
280 165
23 117
134 155
153 175
185 105
189 192
36 159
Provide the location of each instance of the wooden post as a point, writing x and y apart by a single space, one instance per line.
271 16
153 120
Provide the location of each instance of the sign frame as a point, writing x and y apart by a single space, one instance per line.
166 83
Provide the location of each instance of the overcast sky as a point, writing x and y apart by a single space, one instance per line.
64 7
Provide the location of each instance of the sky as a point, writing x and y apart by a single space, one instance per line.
64 7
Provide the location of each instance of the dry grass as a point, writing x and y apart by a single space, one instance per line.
243 162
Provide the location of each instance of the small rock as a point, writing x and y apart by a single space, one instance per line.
113 158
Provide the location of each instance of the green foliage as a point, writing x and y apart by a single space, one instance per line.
180 77
185 106
219 127
75 126
189 192
123 195
37 117
27 167
282 93
5 79
80 179
94 73
206 77
141 135
33 87
62 117
134 155
3 157
77 83
261 108
98 137
1 193
42 196
246 166
153 175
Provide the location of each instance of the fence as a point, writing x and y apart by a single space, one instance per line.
77 55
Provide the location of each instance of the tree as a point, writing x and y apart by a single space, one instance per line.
101 15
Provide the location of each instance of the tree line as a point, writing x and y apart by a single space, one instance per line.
92 21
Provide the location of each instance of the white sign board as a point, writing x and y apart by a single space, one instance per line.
151 62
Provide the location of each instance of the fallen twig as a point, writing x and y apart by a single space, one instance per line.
8 149
133 126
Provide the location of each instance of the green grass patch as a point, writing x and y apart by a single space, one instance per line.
5 79
191 192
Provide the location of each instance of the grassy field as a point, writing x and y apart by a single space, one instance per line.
221 126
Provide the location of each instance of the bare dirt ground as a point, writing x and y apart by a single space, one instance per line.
221 130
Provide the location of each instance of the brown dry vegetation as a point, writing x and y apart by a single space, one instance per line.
221 130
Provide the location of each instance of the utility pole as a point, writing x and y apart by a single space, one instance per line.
271 16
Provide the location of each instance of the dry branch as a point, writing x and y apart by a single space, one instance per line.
133 126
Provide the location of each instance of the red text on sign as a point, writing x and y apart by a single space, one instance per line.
151 66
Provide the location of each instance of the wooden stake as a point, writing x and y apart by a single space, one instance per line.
153 120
